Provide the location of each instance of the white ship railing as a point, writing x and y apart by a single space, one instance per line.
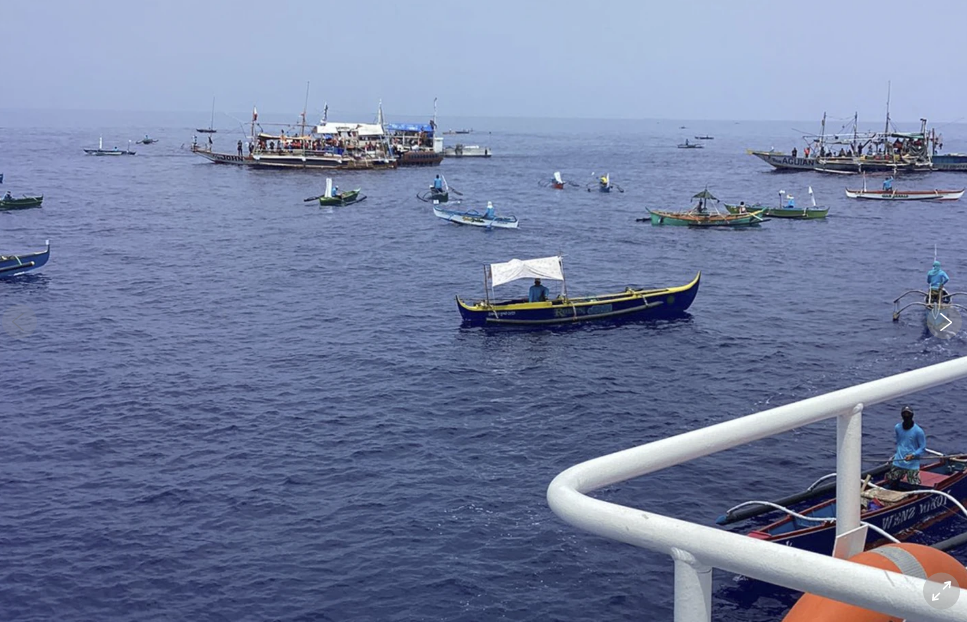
696 549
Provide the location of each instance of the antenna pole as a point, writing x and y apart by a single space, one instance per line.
887 128
304 107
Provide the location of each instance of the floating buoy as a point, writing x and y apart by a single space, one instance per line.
914 560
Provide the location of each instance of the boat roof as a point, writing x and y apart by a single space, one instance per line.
410 127
705 194
551 268
362 129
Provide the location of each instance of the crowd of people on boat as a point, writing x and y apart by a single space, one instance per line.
876 150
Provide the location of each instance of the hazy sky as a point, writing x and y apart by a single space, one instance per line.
679 59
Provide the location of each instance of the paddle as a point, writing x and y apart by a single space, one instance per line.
313 198
455 191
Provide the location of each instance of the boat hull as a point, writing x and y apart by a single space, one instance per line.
783 161
711 220
108 152
343 198
911 195
295 161
21 203
810 213
476 219
629 305
902 520
420 158
13 265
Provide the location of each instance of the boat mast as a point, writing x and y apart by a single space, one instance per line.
211 124
855 140
560 259
822 134
304 106
434 112
886 129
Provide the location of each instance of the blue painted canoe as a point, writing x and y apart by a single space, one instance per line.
625 306
12 265
900 515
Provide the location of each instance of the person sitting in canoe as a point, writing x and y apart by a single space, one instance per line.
604 181
791 203
489 215
335 191
742 206
8 196
537 292
936 279
888 184
438 184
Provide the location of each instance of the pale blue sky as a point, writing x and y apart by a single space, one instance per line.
680 59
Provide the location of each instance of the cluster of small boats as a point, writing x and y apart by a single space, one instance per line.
14 265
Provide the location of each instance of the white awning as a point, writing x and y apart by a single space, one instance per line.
542 268
361 129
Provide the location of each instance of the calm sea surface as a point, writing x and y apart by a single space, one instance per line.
240 406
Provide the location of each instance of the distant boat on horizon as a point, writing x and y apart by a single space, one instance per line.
211 124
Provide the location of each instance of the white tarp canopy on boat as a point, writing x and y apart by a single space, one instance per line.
541 268
360 129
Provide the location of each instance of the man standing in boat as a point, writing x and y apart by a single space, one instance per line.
888 184
936 279
911 442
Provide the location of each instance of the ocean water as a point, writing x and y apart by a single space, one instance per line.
240 406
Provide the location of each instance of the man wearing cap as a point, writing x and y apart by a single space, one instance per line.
911 442
537 293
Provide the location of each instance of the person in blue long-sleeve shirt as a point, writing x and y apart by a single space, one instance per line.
936 279
537 292
911 442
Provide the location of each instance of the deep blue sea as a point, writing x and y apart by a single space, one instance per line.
239 406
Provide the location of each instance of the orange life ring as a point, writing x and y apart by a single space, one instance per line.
814 608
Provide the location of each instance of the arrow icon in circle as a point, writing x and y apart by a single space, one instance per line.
946 584
14 321
935 596
947 325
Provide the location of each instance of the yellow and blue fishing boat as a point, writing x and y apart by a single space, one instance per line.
631 304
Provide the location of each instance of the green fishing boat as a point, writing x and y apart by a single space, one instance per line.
808 213
785 209
343 198
8 202
704 214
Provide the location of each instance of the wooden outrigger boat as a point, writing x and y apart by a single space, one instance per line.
704 214
331 197
476 219
631 304
436 194
20 202
941 315
210 129
147 140
13 265
789 212
101 151
892 510
604 184
892 194
557 182
688 145
706 137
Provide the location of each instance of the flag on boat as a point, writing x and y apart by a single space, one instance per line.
255 114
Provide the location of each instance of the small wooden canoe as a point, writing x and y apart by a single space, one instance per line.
343 198
476 219
21 203
12 265
691 219
808 213
906 195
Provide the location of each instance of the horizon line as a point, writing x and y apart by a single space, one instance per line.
463 116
